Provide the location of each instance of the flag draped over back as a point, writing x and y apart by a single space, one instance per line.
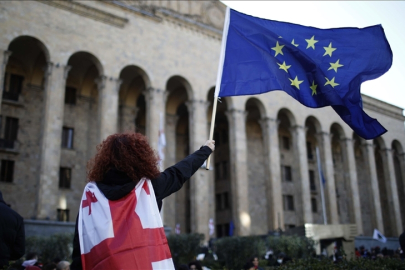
317 67
122 234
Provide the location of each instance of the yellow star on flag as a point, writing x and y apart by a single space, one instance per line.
311 42
295 82
284 66
335 66
278 49
329 50
292 42
331 82
313 87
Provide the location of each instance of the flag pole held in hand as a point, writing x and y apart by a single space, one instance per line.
219 77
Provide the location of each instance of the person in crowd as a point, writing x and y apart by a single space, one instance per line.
49 266
182 267
121 162
195 265
32 267
281 259
255 261
31 259
63 265
12 234
402 245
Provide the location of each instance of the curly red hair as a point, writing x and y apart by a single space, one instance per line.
127 152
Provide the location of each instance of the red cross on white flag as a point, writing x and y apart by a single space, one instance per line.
123 234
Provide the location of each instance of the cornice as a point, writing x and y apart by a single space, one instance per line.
383 107
89 12
189 23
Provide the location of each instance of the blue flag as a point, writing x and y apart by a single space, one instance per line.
317 67
231 228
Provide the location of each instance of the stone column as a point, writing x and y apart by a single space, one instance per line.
155 105
199 183
239 175
396 218
47 193
300 147
354 185
328 169
169 203
275 211
374 186
108 106
4 55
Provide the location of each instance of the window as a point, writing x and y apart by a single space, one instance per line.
288 203
314 206
312 180
10 133
62 214
218 204
217 171
226 200
7 171
12 86
286 173
224 173
309 151
286 142
70 95
222 201
65 176
67 137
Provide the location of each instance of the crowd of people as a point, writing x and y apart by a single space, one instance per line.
377 252
32 262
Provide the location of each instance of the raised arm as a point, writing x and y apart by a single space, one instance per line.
173 178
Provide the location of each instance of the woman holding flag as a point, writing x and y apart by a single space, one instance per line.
119 225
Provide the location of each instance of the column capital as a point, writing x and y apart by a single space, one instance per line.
191 104
7 54
347 140
101 81
171 118
322 135
266 122
232 113
50 67
298 128
150 92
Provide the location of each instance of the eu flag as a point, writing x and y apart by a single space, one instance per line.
317 67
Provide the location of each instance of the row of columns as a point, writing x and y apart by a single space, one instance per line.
56 75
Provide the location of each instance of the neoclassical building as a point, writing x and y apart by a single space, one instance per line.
73 72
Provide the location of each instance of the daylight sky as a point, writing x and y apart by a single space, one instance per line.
390 87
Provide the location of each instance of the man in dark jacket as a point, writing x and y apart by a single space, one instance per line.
12 234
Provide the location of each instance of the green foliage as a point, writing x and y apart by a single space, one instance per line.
184 247
356 264
234 252
48 248
293 246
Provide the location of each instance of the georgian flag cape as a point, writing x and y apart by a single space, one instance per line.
122 234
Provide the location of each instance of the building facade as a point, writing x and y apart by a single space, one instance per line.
73 72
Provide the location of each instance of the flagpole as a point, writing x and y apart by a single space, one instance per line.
219 77
214 112
325 219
